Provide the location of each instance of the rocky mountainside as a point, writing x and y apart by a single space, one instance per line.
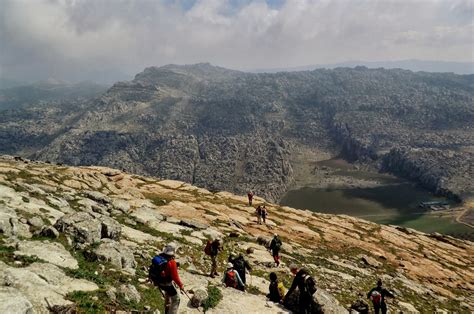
229 130
81 238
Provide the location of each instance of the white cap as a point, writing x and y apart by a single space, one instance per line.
230 265
170 249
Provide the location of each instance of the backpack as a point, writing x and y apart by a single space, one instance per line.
277 244
231 279
376 297
310 284
239 264
259 210
156 271
208 248
264 212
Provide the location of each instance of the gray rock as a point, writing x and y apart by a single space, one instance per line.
117 254
200 294
98 197
50 232
35 222
130 293
87 227
328 303
111 293
13 301
193 224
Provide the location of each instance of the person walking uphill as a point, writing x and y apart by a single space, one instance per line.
275 247
306 286
163 272
212 249
264 214
377 296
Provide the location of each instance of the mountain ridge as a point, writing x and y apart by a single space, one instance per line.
237 131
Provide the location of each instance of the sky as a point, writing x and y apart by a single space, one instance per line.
109 39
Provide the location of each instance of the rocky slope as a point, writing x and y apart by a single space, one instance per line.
82 238
229 130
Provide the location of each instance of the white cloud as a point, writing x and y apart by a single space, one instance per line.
75 39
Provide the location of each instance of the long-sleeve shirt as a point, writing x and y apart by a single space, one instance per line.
298 281
171 271
237 276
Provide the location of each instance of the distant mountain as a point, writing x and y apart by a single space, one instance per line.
236 131
7 83
47 91
412 65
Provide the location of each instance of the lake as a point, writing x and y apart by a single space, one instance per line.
393 201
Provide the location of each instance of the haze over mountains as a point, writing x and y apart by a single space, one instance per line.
230 130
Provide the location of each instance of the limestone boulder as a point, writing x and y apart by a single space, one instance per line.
12 301
89 227
52 252
129 293
200 294
117 254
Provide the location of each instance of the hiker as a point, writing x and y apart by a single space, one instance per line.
232 278
258 211
250 196
377 296
163 272
275 247
276 288
212 249
240 265
264 214
306 286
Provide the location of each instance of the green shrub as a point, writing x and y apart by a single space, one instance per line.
213 299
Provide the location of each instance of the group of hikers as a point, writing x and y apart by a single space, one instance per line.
163 272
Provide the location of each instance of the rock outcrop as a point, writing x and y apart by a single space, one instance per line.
98 261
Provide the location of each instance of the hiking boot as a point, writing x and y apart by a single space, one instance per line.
212 276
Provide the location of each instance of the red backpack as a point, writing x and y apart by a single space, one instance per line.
208 248
376 297
230 279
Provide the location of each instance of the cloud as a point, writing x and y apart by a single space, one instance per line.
83 39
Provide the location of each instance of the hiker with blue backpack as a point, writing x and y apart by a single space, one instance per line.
163 273
377 296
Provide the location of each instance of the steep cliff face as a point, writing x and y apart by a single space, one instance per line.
81 238
235 131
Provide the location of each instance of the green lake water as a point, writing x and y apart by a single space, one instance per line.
394 201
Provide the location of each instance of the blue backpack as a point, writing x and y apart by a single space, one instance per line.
156 271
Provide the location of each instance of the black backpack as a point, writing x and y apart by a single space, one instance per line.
239 263
310 285
156 271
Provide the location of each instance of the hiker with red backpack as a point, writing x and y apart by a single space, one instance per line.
306 286
250 196
212 249
377 296
240 265
232 278
162 273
